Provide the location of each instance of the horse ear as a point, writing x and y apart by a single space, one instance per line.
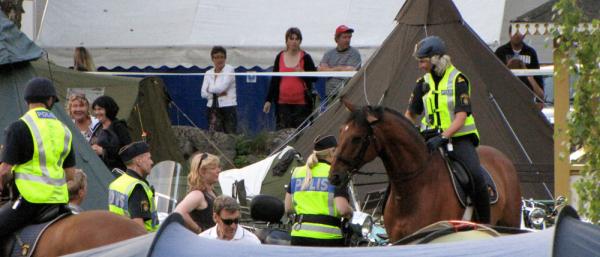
347 104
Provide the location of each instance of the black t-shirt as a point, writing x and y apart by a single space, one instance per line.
18 146
138 204
462 101
339 191
527 55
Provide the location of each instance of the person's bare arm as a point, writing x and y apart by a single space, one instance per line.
343 206
194 200
5 174
411 116
288 203
325 67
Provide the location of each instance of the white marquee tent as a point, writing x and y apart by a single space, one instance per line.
171 33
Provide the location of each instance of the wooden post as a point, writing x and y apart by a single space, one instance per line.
561 137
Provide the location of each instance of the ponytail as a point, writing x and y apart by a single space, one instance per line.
311 162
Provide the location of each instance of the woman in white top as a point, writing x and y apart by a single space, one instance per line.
220 92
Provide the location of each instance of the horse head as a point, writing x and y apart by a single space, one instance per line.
357 144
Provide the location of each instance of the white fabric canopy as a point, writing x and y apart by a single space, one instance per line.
181 32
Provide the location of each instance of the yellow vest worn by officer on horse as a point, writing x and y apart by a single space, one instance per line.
42 179
316 199
440 114
118 197
122 189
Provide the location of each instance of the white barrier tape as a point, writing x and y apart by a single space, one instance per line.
319 74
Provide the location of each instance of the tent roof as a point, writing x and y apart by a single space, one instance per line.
502 104
16 47
126 34
544 13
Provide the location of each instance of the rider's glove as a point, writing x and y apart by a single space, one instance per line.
435 142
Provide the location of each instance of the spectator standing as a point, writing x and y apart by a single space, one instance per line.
292 95
82 60
110 134
78 108
220 91
342 58
226 213
196 207
517 49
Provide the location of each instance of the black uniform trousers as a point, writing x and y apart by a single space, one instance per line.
24 214
464 150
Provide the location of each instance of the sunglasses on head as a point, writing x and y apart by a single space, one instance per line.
202 158
228 222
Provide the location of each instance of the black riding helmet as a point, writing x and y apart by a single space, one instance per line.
429 47
38 90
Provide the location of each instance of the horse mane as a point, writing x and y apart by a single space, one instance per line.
359 116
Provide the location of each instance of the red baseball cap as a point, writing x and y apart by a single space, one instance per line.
343 29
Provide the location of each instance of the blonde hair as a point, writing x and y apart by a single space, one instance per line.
441 63
82 60
198 165
79 182
312 161
78 97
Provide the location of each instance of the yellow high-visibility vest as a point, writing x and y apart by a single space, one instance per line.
441 117
42 179
118 199
317 199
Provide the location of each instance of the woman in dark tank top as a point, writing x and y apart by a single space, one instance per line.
197 206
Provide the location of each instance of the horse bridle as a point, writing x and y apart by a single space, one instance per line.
366 141
355 163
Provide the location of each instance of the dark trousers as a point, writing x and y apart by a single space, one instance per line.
291 115
223 119
25 213
464 150
306 241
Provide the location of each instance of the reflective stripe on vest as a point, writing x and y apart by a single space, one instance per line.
317 199
42 179
118 199
446 94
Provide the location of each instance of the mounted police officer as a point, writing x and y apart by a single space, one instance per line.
39 154
318 205
443 93
131 195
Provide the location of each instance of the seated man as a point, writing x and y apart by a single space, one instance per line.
226 213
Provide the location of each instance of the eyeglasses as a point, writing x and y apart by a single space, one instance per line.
228 222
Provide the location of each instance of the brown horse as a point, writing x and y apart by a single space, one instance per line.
85 231
421 192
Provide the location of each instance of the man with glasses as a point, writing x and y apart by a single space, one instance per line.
226 213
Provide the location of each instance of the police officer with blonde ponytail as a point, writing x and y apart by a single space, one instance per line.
444 94
318 205
38 154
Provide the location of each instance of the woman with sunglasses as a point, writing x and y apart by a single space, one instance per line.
196 208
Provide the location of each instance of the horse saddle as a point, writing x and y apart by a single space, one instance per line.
462 181
24 241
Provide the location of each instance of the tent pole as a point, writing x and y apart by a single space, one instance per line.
561 137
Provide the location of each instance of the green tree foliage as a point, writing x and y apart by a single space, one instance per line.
583 48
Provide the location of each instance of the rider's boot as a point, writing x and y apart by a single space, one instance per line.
481 202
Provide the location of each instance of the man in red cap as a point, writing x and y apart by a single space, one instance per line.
342 58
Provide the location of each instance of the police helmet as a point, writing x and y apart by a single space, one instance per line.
429 47
39 89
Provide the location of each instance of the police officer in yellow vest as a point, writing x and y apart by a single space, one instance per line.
131 195
444 94
318 205
38 153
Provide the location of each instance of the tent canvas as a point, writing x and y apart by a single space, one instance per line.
503 106
18 65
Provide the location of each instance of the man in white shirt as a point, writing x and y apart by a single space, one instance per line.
226 213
